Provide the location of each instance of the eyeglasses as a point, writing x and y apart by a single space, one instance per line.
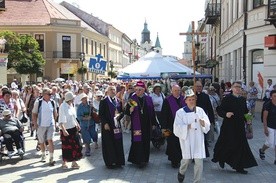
49 94
237 86
130 88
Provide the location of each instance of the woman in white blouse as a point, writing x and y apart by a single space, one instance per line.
71 146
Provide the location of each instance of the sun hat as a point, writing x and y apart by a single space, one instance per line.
99 93
6 112
69 96
82 95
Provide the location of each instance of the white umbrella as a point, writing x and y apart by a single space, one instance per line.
59 80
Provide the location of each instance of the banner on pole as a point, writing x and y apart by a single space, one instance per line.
97 64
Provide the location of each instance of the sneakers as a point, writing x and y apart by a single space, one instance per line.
180 177
51 162
43 158
20 151
262 154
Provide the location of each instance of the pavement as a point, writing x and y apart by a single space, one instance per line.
159 170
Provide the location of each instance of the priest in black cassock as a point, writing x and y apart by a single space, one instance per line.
170 105
232 146
110 112
141 110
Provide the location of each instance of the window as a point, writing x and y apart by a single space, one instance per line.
66 47
100 48
257 3
40 39
92 47
86 46
104 51
82 44
257 56
96 48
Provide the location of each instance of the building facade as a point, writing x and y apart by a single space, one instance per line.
237 40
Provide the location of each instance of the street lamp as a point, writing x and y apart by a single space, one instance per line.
82 59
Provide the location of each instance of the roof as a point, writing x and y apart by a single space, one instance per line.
96 23
42 11
18 13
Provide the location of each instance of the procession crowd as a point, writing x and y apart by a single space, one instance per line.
186 116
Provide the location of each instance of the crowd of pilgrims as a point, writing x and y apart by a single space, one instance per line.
139 107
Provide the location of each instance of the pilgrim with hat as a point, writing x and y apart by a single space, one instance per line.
141 110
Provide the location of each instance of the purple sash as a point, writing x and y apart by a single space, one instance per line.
116 130
135 117
173 104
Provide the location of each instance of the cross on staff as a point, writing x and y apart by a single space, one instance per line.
193 33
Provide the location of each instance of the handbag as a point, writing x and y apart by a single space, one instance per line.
96 117
24 118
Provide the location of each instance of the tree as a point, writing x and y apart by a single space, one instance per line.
112 74
23 53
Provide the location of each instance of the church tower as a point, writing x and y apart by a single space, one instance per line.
145 41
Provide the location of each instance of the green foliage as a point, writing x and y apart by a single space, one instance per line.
112 74
82 70
24 54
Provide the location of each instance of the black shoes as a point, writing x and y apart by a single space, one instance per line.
242 171
221 164
180 177
262 154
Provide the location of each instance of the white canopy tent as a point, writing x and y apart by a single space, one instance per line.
153 65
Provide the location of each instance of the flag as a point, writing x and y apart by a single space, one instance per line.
260 80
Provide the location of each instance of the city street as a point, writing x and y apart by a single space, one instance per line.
159 169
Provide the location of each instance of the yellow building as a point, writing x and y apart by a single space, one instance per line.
62 36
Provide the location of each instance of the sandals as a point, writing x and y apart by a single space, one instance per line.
75 166
64 167
38 147
262 154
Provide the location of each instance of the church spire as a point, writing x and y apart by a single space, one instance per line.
157 42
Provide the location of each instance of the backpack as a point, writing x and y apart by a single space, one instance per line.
40 103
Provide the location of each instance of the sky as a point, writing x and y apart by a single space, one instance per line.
165 18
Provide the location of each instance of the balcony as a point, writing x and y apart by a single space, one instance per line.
212 13
62 55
